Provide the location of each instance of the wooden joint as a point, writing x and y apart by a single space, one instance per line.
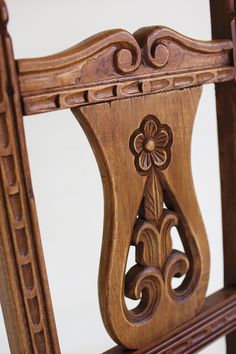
217 318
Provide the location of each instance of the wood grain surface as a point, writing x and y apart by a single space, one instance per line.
143 151
226 112
136 96
24 294
217 318
113 65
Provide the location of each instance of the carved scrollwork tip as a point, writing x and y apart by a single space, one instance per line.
128 54
156 42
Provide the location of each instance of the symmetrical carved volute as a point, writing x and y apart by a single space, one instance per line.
143 151
136 98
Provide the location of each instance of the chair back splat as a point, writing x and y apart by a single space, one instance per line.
135 96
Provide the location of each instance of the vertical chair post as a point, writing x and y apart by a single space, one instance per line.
222 14
136 97
24 292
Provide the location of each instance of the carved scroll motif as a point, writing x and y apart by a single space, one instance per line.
116 64
144 157
157 262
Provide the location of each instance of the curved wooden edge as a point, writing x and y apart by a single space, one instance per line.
98 42
80 52
159 33
143 223
116 64
217 318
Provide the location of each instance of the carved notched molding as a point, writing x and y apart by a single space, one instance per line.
25 297
111 64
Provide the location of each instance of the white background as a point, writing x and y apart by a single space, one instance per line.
65 176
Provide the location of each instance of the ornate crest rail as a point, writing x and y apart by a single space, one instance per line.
136 98
115 64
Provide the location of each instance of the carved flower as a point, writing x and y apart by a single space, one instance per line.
151 145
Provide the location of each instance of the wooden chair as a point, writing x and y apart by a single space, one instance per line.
135 97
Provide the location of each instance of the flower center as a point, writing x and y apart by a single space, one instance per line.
149 144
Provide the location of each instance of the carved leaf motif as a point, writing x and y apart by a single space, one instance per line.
152 236
153 199
157 262
148 245
126 191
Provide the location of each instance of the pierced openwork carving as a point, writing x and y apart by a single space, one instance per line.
157 262
147 192
144 158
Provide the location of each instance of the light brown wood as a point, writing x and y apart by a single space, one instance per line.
217 318
222 27
24 295
136 97
69 98
115 64
143 148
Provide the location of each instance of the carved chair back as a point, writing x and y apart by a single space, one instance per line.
136 98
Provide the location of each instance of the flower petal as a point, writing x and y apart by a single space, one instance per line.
150 128
145 161
159 157
162 138
138 142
